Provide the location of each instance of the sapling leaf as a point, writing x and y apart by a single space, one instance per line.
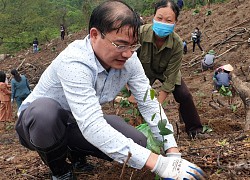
206 128
126 119
125 92
152 144
162 127
152 94
145 96
234 108
219 171
152 118
225 91
130 111
124 103
223 142
209 12
136 112
164 104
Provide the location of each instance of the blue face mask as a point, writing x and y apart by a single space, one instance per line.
162 29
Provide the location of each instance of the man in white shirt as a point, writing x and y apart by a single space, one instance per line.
63 113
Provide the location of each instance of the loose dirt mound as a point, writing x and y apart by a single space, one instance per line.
223 154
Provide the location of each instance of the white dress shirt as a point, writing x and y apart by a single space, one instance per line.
80 84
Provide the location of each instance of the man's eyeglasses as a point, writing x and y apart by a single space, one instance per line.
122 48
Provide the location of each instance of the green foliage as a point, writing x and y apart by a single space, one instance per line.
152 144
223 142
233 108
162 127
145 96
134 111
23 20
143 7
196 11
126 119
152 118
225 91
124 103
209 12
125 92
152 94
206 128
161 124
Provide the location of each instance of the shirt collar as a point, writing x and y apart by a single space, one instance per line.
100 68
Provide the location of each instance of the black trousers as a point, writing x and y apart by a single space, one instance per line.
45 126
62 35
187 109
198 44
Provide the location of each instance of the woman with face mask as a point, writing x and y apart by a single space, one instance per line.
161 56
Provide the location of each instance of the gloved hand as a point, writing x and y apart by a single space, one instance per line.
12 100
176 168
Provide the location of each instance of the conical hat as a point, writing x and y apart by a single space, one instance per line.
228 67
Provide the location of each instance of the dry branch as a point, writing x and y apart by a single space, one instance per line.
20 64
211 104
124 165
192 60
226 51
237 25
225 40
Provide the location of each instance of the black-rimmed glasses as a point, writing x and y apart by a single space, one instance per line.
122 48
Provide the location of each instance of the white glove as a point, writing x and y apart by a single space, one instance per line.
12 100
174 167
177 155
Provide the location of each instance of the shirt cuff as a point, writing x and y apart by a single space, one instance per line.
169 142
166 87
139 156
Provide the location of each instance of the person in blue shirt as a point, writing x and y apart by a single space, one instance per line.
222 76
63 119
20 88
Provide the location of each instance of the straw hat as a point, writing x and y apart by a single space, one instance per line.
228 67
211 52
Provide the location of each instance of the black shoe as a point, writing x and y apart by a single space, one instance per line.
79 162
82 167
68 176
198 135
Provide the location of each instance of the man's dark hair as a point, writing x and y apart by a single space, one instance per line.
113 15
2 76
168 3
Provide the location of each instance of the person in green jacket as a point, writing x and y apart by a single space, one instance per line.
161 55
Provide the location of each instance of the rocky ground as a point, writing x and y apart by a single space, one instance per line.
224 154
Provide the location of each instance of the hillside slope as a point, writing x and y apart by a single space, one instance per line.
224 154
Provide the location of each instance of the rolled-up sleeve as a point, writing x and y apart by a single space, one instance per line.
172 74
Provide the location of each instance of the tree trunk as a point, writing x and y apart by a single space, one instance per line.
243 88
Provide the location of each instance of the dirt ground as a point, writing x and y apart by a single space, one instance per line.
223 154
